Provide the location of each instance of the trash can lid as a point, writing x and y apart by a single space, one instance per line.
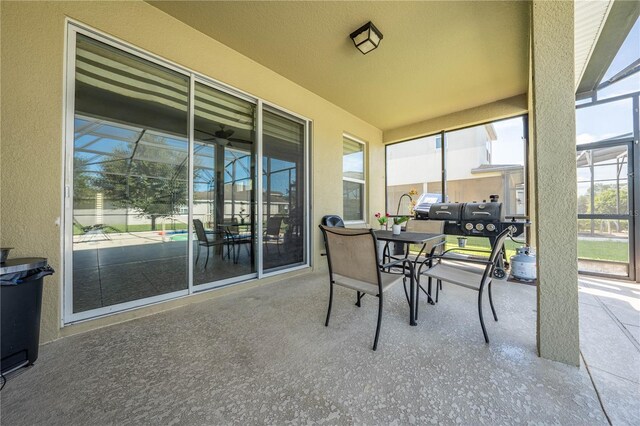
20 264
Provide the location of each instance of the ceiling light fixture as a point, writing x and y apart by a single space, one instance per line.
366 38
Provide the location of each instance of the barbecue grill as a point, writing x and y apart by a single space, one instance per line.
476 220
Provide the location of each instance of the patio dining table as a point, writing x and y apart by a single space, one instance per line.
418 238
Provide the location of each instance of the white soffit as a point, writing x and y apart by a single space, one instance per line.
590 16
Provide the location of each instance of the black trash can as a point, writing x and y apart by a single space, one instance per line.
20 307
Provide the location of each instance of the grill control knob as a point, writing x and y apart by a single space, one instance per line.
491 227
479 226
468 226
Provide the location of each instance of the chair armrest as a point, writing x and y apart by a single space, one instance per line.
466 249
462 259
435 246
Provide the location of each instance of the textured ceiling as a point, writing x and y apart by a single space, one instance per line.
436 57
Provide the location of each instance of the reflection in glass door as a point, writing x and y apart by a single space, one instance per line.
224 208
604 217
130 169
283 189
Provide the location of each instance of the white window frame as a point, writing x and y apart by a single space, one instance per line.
362 220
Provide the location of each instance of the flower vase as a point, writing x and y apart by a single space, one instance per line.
396 229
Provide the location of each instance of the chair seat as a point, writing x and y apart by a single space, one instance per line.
455 275
388 281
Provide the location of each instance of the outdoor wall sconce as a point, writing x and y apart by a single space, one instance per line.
366 38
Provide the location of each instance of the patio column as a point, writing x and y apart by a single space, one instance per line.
552 117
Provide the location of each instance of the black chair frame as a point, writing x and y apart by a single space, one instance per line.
406 264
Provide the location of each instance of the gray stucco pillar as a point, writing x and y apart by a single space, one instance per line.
554 178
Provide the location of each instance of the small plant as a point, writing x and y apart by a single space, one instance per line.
399 220
382 220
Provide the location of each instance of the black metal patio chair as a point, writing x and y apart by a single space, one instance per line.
458 275
352 256
204 241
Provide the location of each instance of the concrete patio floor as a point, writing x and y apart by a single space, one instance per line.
263 356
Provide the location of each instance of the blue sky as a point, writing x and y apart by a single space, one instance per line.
612 119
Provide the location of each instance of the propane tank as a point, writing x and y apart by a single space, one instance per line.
523 264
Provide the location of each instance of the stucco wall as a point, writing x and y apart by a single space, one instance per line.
32 76
554 132
510 107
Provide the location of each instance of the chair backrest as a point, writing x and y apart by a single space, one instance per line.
202 236
428 226
332 221
274 223
352 253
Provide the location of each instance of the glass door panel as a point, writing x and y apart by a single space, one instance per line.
224 207
130 168
603 210
414 165
283 188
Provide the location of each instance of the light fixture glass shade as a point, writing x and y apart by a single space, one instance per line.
366 38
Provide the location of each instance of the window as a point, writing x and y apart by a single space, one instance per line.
353 180
479 161
414 165
486 160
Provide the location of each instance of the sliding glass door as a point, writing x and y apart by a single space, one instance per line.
224 207
130 163
284 192
161 175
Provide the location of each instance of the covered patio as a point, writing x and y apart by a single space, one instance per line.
172 161
263 355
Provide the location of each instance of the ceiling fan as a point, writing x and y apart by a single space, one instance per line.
223 137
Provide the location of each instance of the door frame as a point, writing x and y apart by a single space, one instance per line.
630 216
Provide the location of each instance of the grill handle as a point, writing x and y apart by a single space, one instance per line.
443 212
481 213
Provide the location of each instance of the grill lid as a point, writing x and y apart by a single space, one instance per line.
487 212
446 211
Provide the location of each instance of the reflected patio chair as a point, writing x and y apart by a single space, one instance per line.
236 238
204 241
458 275
352 255
91 231
273 231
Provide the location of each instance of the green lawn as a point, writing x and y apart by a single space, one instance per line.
137 228
617 251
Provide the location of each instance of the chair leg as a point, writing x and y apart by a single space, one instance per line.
495 317
375 341
484 330
438 287
326 323
418 287
198 255
207 261
358 298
